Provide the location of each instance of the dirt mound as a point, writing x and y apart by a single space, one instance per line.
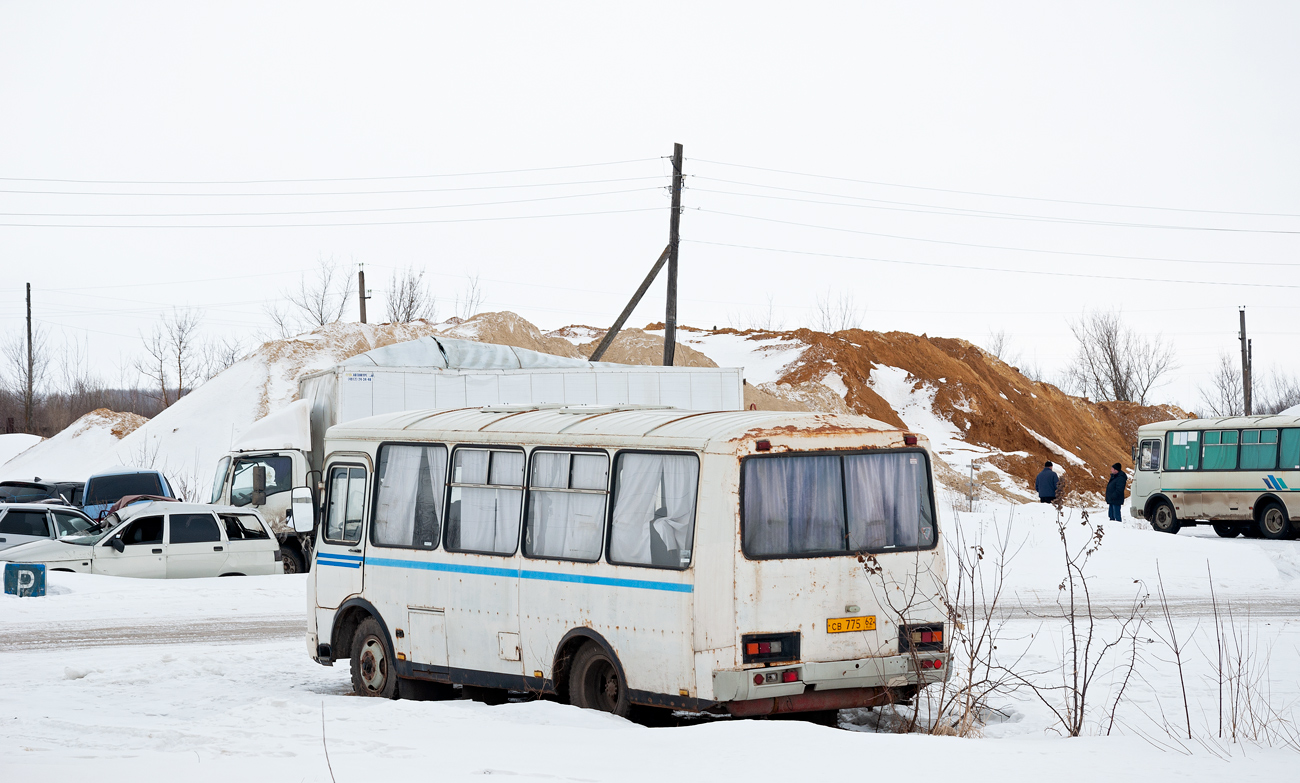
117 423
507 328
635 346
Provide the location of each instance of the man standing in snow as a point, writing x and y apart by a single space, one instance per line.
1115 491
1046 484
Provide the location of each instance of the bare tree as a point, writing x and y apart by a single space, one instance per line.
155 363
24 389
1114 362
836 312
1222 395
172 354
219 354
317 301
409 298
999 345
1276 392
468 303
764 318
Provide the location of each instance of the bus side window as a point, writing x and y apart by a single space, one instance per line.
1150 456
653 523
486 497
1184 451
1289 456
347 488
1258 449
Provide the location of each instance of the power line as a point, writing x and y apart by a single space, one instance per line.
993 269
999 195
322 211
332 225
960 212
329 193
993 247
321 179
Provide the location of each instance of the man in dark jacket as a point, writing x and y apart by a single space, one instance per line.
1046 484
1115 491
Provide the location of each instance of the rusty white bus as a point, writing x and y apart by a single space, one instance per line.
619 556
1240 474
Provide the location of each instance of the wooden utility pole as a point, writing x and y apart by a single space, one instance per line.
674 223
608 339
1245 364
361 290
31 365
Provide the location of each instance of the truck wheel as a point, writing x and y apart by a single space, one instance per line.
595 683
1226 530
1163 519
372 662
1274 524
291 560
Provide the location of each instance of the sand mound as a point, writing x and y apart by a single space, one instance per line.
635 346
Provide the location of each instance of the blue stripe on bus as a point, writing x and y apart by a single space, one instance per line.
547 576
340 561
337 564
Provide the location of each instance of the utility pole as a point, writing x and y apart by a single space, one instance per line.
31 364
1245 363
361 290
674 223
608 340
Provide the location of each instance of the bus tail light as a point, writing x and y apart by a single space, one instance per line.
763 445
775 677
920 638
909 439
766 647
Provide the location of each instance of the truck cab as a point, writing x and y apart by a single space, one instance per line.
236 484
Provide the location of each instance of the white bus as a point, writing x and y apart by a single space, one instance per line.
1239 474
620 555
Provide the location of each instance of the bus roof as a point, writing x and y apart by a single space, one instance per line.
1225 423
661 423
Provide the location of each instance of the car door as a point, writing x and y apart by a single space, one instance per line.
195 546
143 553
20 526
253 550
340 551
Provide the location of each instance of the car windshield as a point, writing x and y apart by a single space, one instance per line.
95 533
107 490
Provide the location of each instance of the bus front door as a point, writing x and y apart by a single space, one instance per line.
340 550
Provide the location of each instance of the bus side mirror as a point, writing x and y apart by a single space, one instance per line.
304 511
259 485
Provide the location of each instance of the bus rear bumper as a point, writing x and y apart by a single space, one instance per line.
826 685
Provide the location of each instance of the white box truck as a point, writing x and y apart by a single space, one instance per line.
286 449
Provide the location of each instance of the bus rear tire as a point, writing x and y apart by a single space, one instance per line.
1226 530
372 662
596 684
1274 523
1163 518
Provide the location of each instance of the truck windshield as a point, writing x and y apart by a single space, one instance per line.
107 490
279 477
827 504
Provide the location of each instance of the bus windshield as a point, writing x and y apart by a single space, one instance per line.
826 504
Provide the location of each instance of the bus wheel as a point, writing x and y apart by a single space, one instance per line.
1163 519
595 684
1273 522
372 670
1225 530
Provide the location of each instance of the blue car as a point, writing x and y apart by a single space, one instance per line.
105 489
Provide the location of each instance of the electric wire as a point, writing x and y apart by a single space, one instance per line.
296 194
332 225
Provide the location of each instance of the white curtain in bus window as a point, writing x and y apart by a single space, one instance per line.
888 501
1182 452
1219 450
654 510
562 522
410 496
1258 449
485 518
793 505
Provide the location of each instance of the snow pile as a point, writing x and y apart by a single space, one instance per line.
14 443
76 452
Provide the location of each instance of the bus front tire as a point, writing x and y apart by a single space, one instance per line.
1163 518
372 662
596 684
1226 530
1274 523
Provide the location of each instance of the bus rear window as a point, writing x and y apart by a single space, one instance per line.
818 504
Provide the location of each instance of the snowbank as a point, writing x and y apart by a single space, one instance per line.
78 451
14 443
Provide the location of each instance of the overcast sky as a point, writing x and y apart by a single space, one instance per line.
955 169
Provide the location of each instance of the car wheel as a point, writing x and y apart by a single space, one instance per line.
596 684
1274 524
1225 530
1163 518
373 673
291 560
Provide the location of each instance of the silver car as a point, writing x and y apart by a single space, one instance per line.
23 523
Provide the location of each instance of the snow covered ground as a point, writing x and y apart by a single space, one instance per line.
208 679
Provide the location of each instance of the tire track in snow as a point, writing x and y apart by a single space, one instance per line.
36 636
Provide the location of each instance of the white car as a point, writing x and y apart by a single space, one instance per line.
23 523
164 540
